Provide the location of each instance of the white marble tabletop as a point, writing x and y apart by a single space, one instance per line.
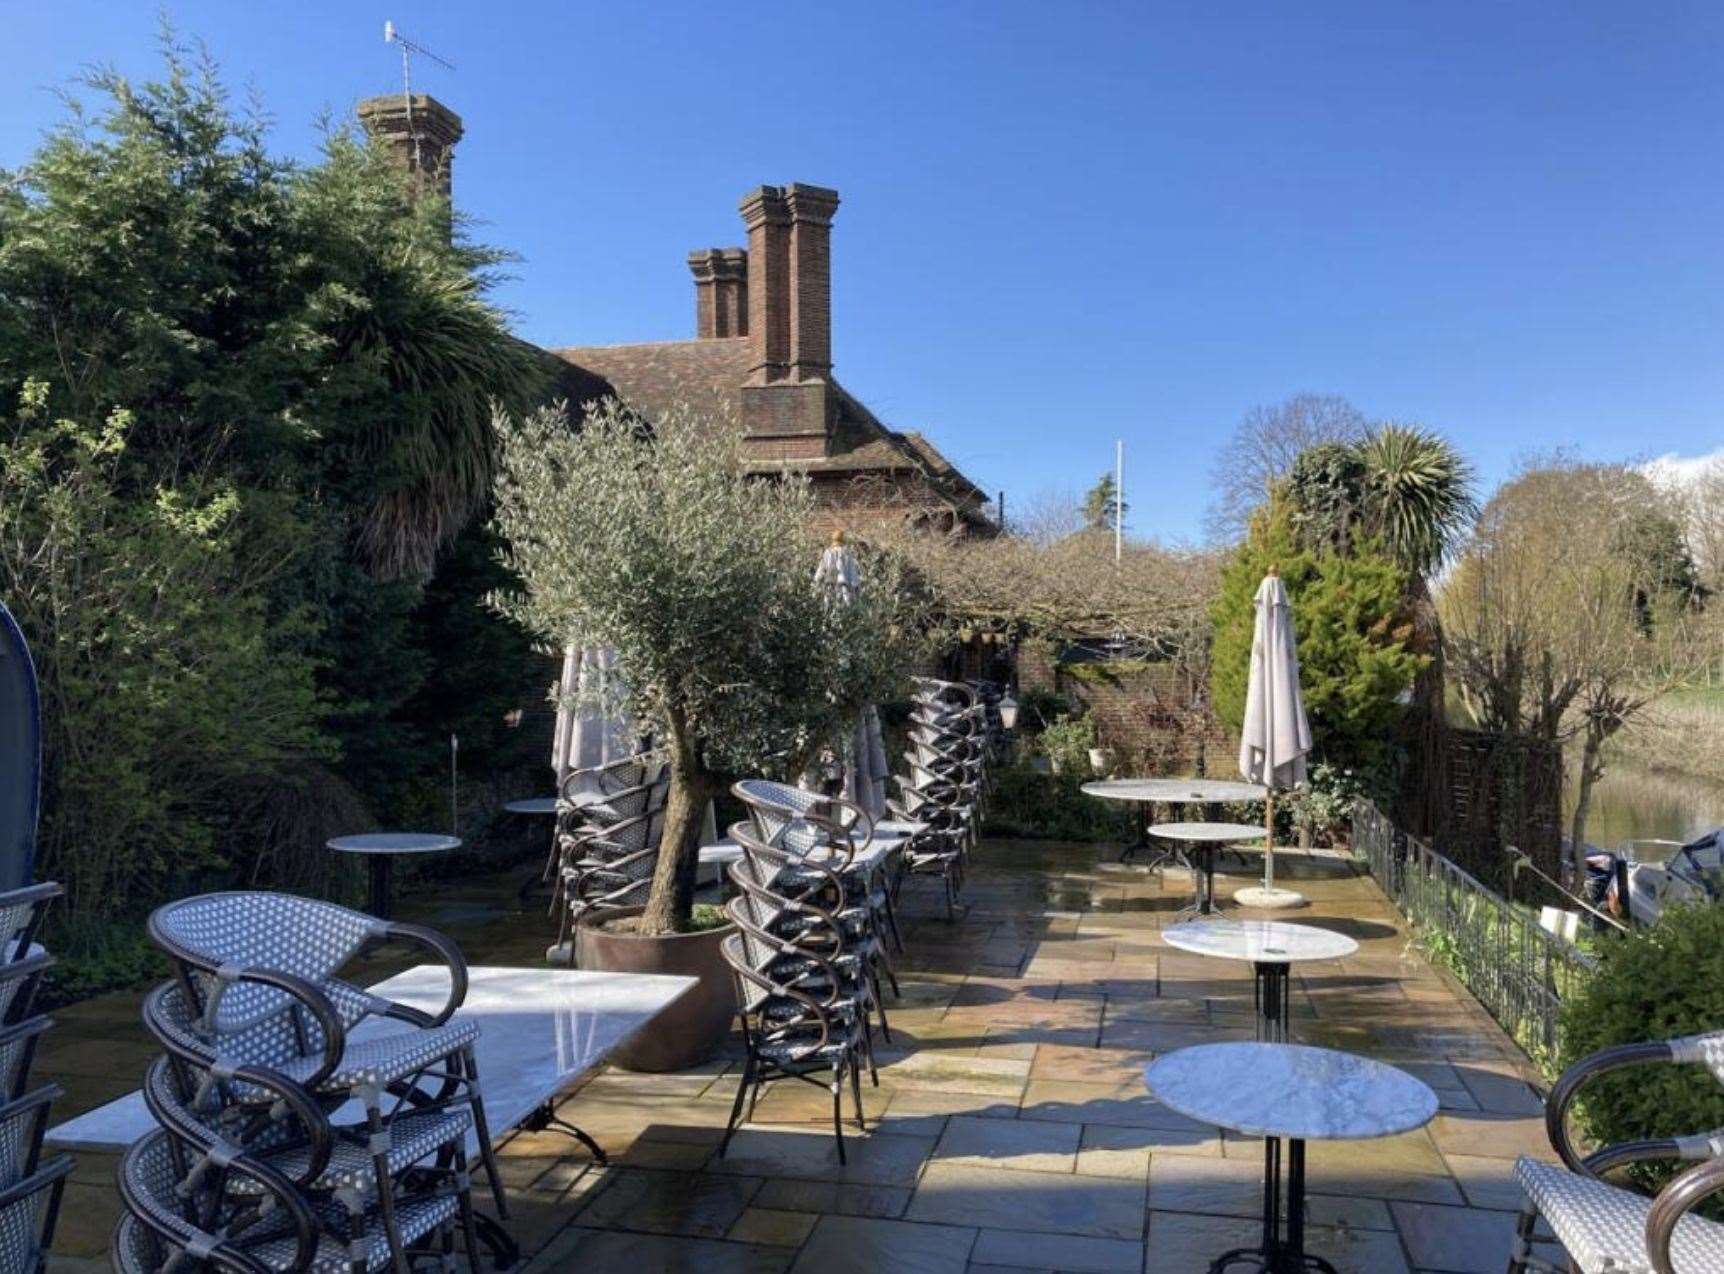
539 1031
1218 832
1260 941
395 843
1290 1090
533 805
1175 791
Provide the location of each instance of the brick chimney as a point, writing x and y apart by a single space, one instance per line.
720 292
787 403
811 209
420 131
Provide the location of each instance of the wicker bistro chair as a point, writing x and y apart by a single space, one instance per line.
789 1033
801 908
17 1053
615 867
797 819
941 847
1605 1227
19 981
28 1209
259 970
600 796
261 1113
180 1214
22 1123
21 912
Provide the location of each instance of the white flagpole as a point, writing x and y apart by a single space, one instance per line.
1118 498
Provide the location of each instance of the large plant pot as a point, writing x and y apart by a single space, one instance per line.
689 1031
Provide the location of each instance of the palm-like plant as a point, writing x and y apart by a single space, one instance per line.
1417 494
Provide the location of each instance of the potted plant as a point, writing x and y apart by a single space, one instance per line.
655 542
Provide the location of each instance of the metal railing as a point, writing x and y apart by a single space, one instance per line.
1518 970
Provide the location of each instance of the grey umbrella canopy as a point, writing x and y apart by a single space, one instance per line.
865 749
1276 736
587 735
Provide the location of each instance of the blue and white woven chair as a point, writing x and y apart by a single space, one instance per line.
802 907
803 822
791 1033
1602 1226
216 1115
260 972
18 1053
182 1214
22 1123
21 912
610 822
28 1209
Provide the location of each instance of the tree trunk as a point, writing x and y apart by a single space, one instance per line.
672 898
1590 769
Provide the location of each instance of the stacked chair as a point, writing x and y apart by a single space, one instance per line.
809 949
944 788
30 1191
610 821
258 1163
1603 1227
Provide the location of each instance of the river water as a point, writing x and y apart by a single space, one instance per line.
1633 803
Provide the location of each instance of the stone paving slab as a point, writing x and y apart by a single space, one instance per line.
1010 1130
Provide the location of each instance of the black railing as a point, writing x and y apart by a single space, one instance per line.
1518 970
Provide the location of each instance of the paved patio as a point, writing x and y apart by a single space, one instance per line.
1011 1129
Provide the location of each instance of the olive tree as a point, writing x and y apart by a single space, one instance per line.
654 541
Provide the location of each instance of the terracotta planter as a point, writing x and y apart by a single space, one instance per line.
689 1031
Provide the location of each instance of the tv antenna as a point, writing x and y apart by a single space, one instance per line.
408 49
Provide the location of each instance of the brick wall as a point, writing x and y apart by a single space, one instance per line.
1150 716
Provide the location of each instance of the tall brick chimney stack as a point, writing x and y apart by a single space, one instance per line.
720 292
787 403
401 120
811 209
768 221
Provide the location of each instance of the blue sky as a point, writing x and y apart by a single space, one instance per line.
1066 223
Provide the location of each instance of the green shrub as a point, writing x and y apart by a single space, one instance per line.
1032 803
1653 984
1066 743
1355 635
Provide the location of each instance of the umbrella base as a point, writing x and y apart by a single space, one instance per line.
1269 899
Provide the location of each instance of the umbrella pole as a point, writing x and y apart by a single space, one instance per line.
1269 846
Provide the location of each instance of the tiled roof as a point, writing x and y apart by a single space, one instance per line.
707 375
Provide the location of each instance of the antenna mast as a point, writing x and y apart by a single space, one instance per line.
408 49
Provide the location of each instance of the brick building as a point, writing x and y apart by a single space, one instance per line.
761 356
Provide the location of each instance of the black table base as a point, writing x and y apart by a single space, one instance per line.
382 884
1283 1248
1273 992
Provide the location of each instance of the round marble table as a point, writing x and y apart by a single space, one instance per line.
1293 1093
1207 838
381 849
1168 791
1271 946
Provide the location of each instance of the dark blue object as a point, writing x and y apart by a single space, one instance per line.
20 755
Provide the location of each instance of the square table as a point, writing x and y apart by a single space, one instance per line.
540 1030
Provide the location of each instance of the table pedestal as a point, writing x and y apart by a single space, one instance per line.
1203 886
1274 981
1283 1249
382 873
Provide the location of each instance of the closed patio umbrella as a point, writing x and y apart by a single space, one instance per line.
865 749
586 735
1276 736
